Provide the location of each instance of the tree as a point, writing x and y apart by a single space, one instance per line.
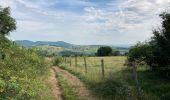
156 52
161 45
7 25
104 51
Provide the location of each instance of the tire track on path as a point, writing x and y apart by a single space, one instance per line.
81 90
56 91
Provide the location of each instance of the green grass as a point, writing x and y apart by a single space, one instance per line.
119 82
68 92
111 87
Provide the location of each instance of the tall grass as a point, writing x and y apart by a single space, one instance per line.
118 83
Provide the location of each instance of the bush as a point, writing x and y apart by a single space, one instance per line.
21 70
140 52
20 74
57 61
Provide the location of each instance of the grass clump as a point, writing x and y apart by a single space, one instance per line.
56 61
68 92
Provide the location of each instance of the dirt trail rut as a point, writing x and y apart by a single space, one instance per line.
82 92
56 92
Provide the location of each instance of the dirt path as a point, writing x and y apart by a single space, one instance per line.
56 92
82 91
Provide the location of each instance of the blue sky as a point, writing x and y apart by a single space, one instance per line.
85 21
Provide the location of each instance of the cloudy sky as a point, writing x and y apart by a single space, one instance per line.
85 21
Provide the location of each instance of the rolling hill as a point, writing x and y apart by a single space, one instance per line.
27 43
63 48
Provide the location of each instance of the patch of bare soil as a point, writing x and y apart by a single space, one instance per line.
81 90
56 92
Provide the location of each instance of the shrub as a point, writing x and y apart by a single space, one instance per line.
57 61
140 52
21 69
20 74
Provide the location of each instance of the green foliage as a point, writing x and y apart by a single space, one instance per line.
140 52
156 52
49 51
4 46
7 23
21 70
57 61
161 45
104 51
20 73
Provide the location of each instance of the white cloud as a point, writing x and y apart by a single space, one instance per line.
120 22
135 17
6 3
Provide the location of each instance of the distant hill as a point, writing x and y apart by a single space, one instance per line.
27 43
63 48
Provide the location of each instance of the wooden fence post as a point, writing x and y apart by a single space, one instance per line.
102 66
85 64
65 60
136 79
76 61
70 61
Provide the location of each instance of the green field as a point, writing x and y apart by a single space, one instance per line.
118 82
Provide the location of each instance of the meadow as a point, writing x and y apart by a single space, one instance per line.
118 82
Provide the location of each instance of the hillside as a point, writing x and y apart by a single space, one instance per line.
27 43
63 48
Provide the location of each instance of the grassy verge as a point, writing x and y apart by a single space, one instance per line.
118 86
119 81
68 92
106 88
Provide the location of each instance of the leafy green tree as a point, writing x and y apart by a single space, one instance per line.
155 53
7 23
104 51
161 45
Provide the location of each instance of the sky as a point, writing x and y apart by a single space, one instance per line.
108 22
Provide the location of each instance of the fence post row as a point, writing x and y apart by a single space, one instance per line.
102 66
85 64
